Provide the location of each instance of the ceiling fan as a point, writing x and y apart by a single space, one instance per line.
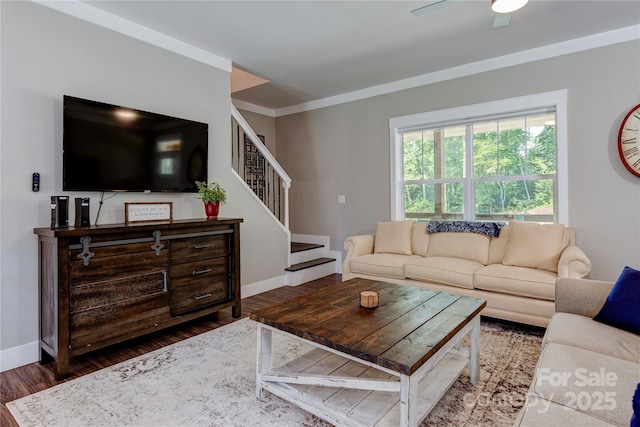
501 9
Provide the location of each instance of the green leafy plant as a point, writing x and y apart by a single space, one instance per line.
211 192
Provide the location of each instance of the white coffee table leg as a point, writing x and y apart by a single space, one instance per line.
409 405
474 362
263 359
405 400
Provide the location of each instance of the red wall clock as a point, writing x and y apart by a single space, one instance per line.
629 141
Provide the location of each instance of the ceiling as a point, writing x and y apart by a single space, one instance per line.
312 50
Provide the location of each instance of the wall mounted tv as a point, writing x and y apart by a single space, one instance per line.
112 148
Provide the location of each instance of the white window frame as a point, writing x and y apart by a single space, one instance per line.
555 99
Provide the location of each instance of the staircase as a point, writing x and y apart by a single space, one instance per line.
260 171
310 259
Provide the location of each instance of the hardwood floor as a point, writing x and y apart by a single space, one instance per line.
35 377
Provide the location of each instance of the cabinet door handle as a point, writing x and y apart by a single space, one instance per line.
157 246
202 246
164 281
86 254
195 273
199 297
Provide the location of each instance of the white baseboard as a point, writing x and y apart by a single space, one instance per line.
21 355
264 285
338 256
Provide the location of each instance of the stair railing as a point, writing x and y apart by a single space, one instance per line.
257 167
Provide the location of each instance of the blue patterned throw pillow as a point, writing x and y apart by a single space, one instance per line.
622 306
488 228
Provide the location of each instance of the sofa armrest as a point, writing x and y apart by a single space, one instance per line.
355 246
573 263
581 296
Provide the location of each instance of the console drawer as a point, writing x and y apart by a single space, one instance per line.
199 247
94 295
111 262
198 293
102 311
198 269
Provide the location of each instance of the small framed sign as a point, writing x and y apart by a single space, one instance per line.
148 211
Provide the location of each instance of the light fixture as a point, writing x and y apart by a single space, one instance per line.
507 6
125 114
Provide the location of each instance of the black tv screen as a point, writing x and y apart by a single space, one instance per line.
112 148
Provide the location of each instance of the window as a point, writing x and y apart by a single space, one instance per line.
496 161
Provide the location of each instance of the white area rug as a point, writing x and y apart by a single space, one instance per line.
209 380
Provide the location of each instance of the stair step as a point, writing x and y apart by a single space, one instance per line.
299 247
309 264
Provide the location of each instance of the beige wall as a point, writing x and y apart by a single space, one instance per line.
46 55
262 125
344 149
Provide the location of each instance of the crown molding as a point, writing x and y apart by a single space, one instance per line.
104 19
113 22
247 106
531 55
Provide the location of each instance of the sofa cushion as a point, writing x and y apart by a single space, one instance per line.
599 385
498 245
584 332
383 265
544 413
419 238
535 245
393 237
521 281
448 271
621 309
469 246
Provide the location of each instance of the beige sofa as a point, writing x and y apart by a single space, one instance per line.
515 272
588 371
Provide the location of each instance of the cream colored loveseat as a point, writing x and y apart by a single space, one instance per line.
588 370
515 272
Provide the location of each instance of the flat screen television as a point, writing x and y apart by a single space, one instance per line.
112 148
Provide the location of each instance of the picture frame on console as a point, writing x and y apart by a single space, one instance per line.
148 212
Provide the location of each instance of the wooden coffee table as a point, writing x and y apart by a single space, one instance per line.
385 366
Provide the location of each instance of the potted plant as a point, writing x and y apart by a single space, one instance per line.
213 195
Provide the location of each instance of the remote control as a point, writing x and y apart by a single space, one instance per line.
35 182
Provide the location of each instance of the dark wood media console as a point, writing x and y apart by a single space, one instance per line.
105 284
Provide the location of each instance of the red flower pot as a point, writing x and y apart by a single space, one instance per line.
212 208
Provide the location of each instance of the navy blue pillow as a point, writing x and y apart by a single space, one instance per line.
635 418
622 308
